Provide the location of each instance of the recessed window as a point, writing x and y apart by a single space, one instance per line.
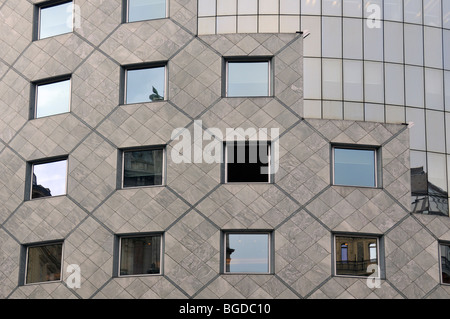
247 162
49 179
445 263
143 167
52 98
355 166
43 263
355 255
247 78
139 10
140 255
247 252
55 19
145 84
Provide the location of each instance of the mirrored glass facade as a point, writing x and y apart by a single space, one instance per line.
354 255
55 20
381 61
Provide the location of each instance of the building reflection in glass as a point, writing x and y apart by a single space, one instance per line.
427 198
140 255
355 254
49 179
445 264
44 263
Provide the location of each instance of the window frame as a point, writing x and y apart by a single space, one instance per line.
270 175
126 12
38 17
24 271
142 148
30 172
440 244
118 262
377 163
248 59
270 251
142 66
379 261
34 94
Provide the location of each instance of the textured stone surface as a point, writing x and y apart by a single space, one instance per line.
192 208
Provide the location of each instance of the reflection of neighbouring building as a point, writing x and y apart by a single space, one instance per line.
140 255
143 168
228 252
44 263
354 255
39 190
427 198
445 264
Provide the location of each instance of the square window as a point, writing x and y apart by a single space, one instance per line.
356 256
247 252
143 167
248 78
247 162
43 263
55 19
140 255
139 10
49 179
145 84
355 166
445 263
52 98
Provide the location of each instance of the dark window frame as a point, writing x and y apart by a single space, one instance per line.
271 250
270 164
377 162
247 59
441 270
121 165
126 15
37 17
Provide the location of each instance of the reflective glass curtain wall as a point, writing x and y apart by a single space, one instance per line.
367 60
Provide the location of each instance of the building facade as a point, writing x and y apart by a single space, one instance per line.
120 124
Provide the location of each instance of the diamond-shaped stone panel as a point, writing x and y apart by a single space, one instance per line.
9 263
92 171
44 219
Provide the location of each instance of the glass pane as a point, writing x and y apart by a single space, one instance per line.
289 7
247 6
413 44
53 98
206 8
434 89
247 162
373 43
435 131
414 86
310 7
355 254
312 44
445 263
417 131
139 10
331 37
413 11
419 181
394 86
225 7
352 8
432 12
145 85
437 184
331 7
248 79
44 263
373 82
354 167
393 42
447 90
56 20
433 47
266 6
49 179
446 14
393 10
140 255
352 43
312 73
247 253
143 168
332 79
446 49
353 80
